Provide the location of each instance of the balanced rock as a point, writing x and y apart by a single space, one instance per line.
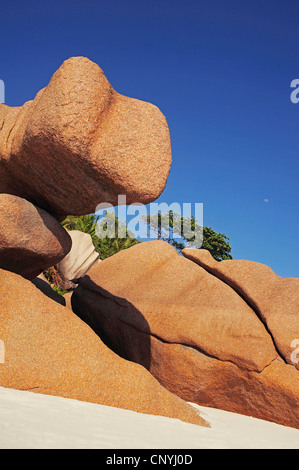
194 333
49 350
31 240
274 299
79 143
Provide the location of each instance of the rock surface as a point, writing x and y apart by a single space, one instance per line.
80 258
44 286
195 334
79 143
68 300
31 240
274 299
49 350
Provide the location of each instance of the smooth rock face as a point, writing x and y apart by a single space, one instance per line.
275 299
43 285
81 257
49 350
171 298
79 143
31 240
196 335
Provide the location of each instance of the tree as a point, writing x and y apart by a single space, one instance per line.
171 227
83 223
217 244
109 235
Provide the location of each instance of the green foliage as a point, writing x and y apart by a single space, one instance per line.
58 290
109 236
169 227
52 276
217 244
83 223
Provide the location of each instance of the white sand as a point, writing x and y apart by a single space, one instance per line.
30 420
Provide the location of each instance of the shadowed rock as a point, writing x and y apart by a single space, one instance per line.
195 333
31 240
43 285
49 350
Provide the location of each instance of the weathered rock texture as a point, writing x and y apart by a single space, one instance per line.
80 258
31 240
80 143
49 350
274 299
195 333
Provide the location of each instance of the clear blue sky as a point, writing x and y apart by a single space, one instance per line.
219 70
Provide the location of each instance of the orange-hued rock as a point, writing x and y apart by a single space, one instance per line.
275 299
44 286
80 143
172 298
31 240
49 350
195 334
272 394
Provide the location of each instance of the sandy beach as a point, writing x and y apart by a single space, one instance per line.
34 421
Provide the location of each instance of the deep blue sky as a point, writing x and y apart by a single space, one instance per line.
219 70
